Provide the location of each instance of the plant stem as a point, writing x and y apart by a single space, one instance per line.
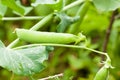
40 24
70 46
22 18
72 5
108 31
13 43
61 45
50 77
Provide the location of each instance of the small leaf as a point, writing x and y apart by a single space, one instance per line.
106 5
3 9
65 21
11 4
23 61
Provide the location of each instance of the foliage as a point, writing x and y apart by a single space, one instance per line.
76 61
23 61
107 5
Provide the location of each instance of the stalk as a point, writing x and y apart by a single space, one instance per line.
72 5
61 45
22 18
107 61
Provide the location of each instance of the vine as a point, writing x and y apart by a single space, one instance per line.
30 57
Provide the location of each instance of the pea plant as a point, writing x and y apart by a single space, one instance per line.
28 59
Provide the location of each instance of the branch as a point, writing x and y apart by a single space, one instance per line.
50 77
72 5
108 31
108 60
22 18
60 45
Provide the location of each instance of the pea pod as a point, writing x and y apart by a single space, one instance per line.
81 12
102 74
48 37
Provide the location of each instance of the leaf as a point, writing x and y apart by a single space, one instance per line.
106 5
65 21
11 4
3 9
23 61
55 5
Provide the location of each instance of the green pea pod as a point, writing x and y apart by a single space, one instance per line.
48 37
81 12
102 74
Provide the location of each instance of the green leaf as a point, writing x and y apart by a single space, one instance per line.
23 61
55 5
3 9
65 21
106 5
11 4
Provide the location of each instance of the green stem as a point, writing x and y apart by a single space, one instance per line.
22 18
108 60
13 43
41 23
51 77
35 27
61 45
72 5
